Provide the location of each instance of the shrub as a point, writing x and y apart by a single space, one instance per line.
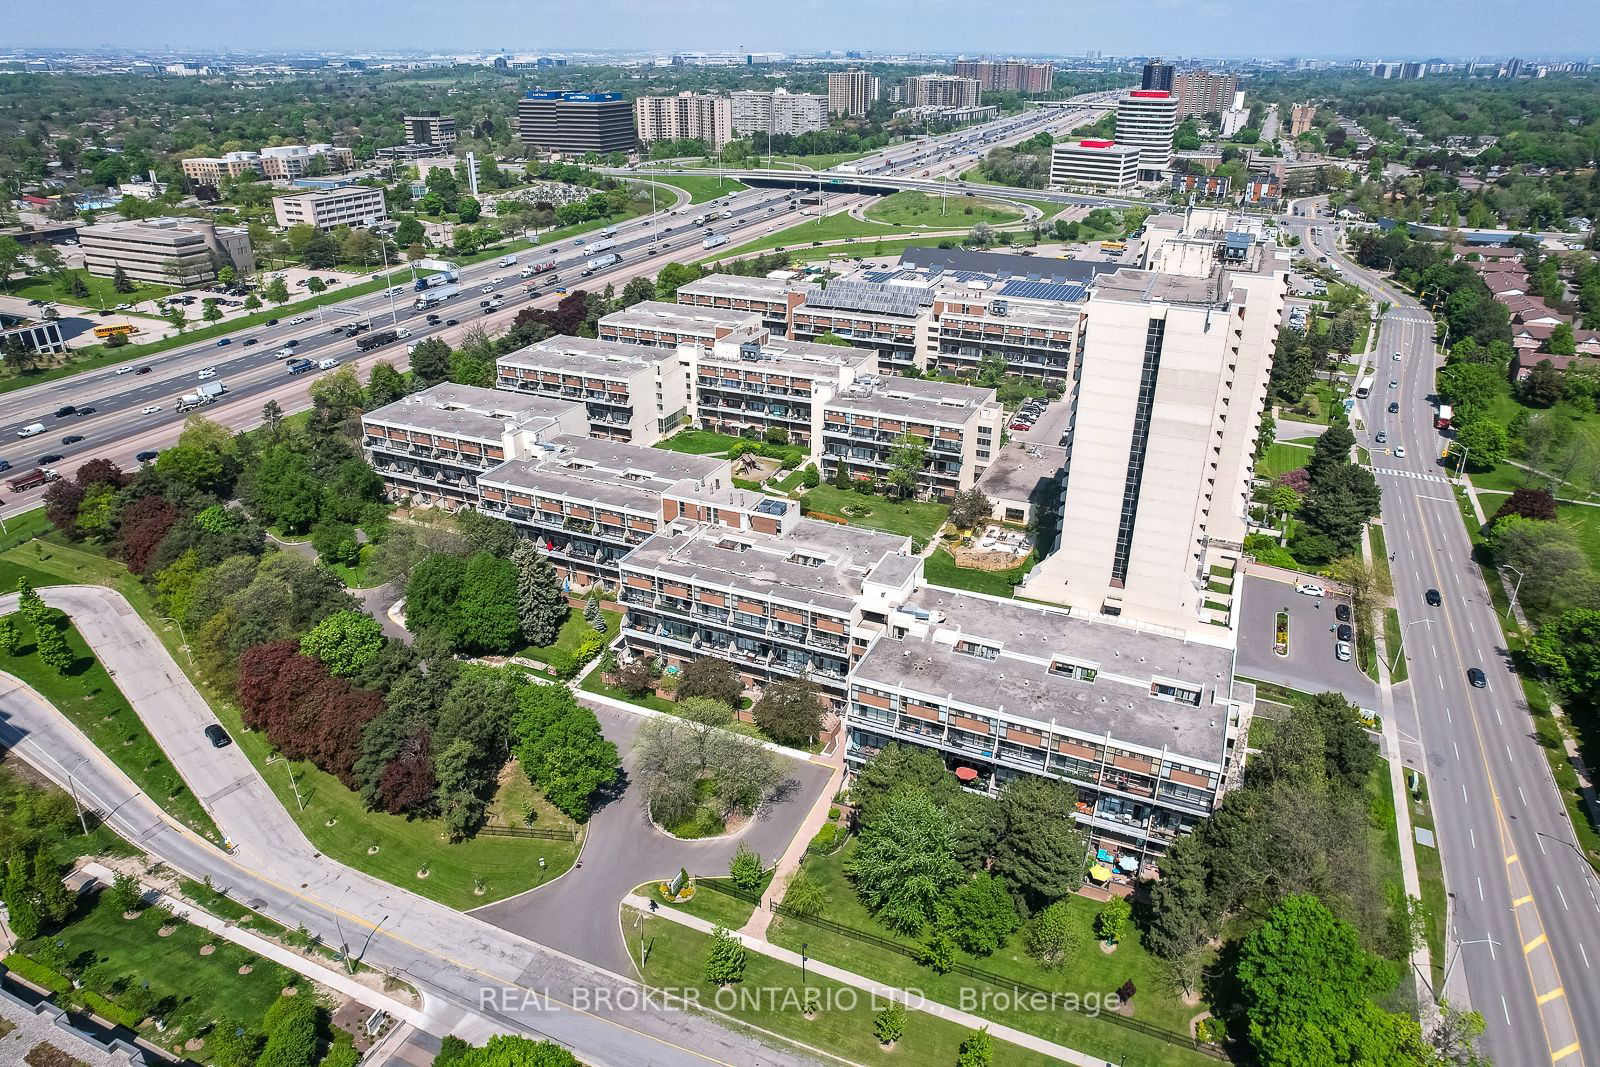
1053 935
889 1025
746 870
810 477
726 960
825 840
977 1050
125 893
938 953
561 661
636 678
110 1010
38 974
804 896
589 646
833 814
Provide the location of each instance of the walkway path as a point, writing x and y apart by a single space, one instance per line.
882 991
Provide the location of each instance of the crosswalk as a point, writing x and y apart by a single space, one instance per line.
1418 475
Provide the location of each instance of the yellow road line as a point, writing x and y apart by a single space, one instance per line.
1545 998
1535 943
1570 1050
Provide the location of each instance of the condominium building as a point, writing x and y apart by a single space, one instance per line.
1157 75
1149 729
588 503
779 111
1148 120
1012 75
1209 186
567 123
850 93
430 128
781 597
864 426
755 387
1301 118
431 447
1096 162
774 299
351 205
942 90
631 393
891 320
1165 410
657 324
1200 91
169 251
684 116
1034 327
279 162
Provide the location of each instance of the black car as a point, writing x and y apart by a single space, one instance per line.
218 736
72 438
1475 676
1433 598
1346 633
146 457
5 464
337 330
65 410
141 370
87 411
1393 408
1342 612
248 341
51 457
269 322
449 322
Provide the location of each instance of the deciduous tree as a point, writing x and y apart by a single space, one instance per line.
789 711
904 865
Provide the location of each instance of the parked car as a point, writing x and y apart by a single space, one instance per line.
1345 633
1310 589
1342 612
1342 651
1476 676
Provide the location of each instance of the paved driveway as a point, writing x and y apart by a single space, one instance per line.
1310 665
577 913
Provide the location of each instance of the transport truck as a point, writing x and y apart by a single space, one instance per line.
375 340
206 394
599 263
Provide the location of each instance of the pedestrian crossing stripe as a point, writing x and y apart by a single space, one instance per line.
1410 474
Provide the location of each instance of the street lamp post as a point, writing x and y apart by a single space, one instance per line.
1401 647
181 635
1511 606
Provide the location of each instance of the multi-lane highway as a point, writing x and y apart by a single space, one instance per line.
1524 924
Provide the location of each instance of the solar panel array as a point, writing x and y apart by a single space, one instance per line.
865 296
1036 290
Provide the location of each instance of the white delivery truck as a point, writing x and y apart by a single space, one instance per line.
597 246
508 261
714 240
599 263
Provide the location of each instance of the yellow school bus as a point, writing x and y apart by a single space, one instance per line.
121 329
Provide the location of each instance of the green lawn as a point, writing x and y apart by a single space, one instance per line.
1584 521
821 161
700 187
194 990
941 569
593 683
911 208
699 442
1430 876
1394 641
1283 457
102 294
772 1001
917 518
361 576
708 904
1088 971
842 226
573 630
87 695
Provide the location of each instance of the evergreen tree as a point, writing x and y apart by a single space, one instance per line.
121 282
18 897
592 614
55 903
725 962
541 605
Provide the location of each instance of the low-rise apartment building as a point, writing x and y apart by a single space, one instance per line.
959 426
431 447
749 388
659 324
1037 336
168 251
1148 728
589 503
891 320
631 392
772 298
783 596
279 162
351 205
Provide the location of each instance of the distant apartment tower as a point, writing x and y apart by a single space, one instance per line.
572 124
1094 162
684 116
169 251
1200 91
326 209
942 90
1301 117
1148 119
1013 76
780 111
850 93
1157 75
429 127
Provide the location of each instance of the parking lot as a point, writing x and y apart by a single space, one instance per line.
1310 665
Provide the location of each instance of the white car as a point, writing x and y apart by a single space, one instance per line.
126 368
124 307
298 319
1310 589
150 409
1397 357
209 372
283 352
486 288
1342 651
1399 452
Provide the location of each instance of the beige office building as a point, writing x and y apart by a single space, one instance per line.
850 92
279 162
1094 162
687 115
942 90
169 251
1148 119
353 205
430 128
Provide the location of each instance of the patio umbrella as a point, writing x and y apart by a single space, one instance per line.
966 774
1100 873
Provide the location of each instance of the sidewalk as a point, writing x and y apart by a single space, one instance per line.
886 992
789 863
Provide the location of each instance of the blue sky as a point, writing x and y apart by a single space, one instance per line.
1365 28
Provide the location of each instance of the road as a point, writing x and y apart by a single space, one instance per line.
1524 925
463 966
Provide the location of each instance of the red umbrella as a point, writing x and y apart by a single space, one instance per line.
966 774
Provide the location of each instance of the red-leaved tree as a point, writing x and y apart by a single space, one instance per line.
407 783
1530 504
304 711
143 524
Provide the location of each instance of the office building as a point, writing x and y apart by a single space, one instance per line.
280 163
755 112
1165 409
771 298
959 426
34 335
754 388
684 116
353 205
168 251
631 392
430 128
408 153
1157 75
850 93
1148 119
1149 729
1301 117
1094 162
1012 75
942 90
1200 92
572 124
